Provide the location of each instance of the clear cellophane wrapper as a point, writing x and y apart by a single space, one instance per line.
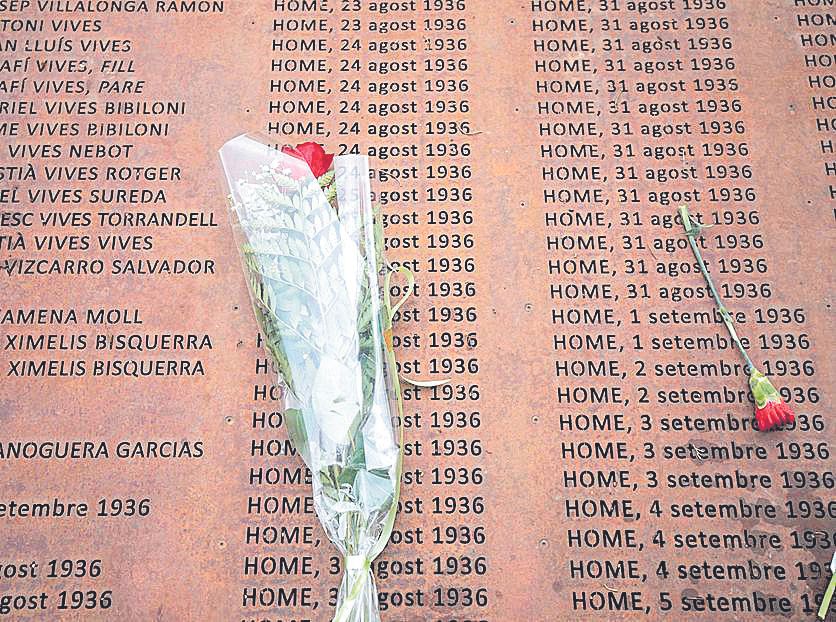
311 252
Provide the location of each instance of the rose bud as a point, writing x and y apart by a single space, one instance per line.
313 154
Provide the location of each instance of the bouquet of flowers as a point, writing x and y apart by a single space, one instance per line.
311 249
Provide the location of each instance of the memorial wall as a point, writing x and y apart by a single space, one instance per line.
594 455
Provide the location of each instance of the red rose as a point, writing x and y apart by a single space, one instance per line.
313 155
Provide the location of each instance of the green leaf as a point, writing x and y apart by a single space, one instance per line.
294 255
294 421
357 460
374 492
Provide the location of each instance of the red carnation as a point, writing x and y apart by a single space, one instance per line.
770 410
313 155
772 415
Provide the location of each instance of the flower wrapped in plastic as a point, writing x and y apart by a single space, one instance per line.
312 255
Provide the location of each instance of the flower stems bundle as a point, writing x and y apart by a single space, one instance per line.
770 410
312 255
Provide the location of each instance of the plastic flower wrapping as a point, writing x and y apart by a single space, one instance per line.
312 255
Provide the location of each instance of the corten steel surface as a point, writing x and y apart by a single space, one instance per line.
185 560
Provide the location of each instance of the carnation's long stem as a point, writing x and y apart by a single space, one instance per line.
828 594
692 231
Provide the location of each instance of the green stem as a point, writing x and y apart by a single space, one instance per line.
827 598
692 231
